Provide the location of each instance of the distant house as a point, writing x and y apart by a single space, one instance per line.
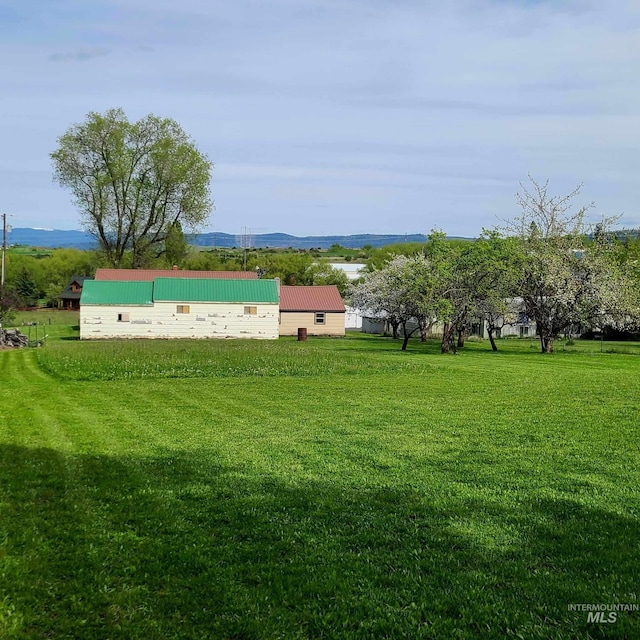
179 308
353 270
318 309
147 275
516 324
377 323
70 297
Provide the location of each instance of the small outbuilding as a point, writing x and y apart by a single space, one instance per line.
318 309
70 297
179 308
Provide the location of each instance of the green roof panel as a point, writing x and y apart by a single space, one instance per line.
104 292
214 290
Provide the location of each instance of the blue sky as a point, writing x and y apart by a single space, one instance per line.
338 116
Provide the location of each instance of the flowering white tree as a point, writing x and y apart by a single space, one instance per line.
565 280
375 295
403 291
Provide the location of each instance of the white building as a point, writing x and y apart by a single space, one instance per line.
179 308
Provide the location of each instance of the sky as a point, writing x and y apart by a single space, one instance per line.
337 116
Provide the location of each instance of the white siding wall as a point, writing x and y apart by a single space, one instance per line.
353 318
204 320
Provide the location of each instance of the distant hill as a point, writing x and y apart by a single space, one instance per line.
51 238
284 240
55 238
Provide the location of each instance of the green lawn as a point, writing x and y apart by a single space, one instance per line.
327 489
50 323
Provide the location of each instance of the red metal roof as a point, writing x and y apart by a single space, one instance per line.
313 298
145 275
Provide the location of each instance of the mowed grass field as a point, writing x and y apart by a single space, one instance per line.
327 489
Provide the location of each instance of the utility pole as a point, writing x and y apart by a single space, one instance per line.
244 246
4 246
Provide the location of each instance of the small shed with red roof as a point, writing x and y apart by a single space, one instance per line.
318 309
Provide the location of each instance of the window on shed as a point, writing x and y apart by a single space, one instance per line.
320 318
250 311
123 317
183 308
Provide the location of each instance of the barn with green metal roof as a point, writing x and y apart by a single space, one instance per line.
179 308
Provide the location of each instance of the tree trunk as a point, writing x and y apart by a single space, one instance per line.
546 343
491 339
448 342
444 345
406 336
461 338
425 329
394 329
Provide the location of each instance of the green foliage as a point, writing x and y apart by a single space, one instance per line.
175 245
322 273
26 288
52 271
338 251
218 507
9 302
132 181
62 265
381 255
33 252
490 268
291 268
378 257
214 260
627 253
19 262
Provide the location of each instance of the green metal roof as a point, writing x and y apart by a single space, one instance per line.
214 290
105 292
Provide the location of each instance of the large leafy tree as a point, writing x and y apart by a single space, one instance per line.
493 264
133 181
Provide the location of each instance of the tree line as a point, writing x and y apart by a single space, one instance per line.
41 278
547 265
